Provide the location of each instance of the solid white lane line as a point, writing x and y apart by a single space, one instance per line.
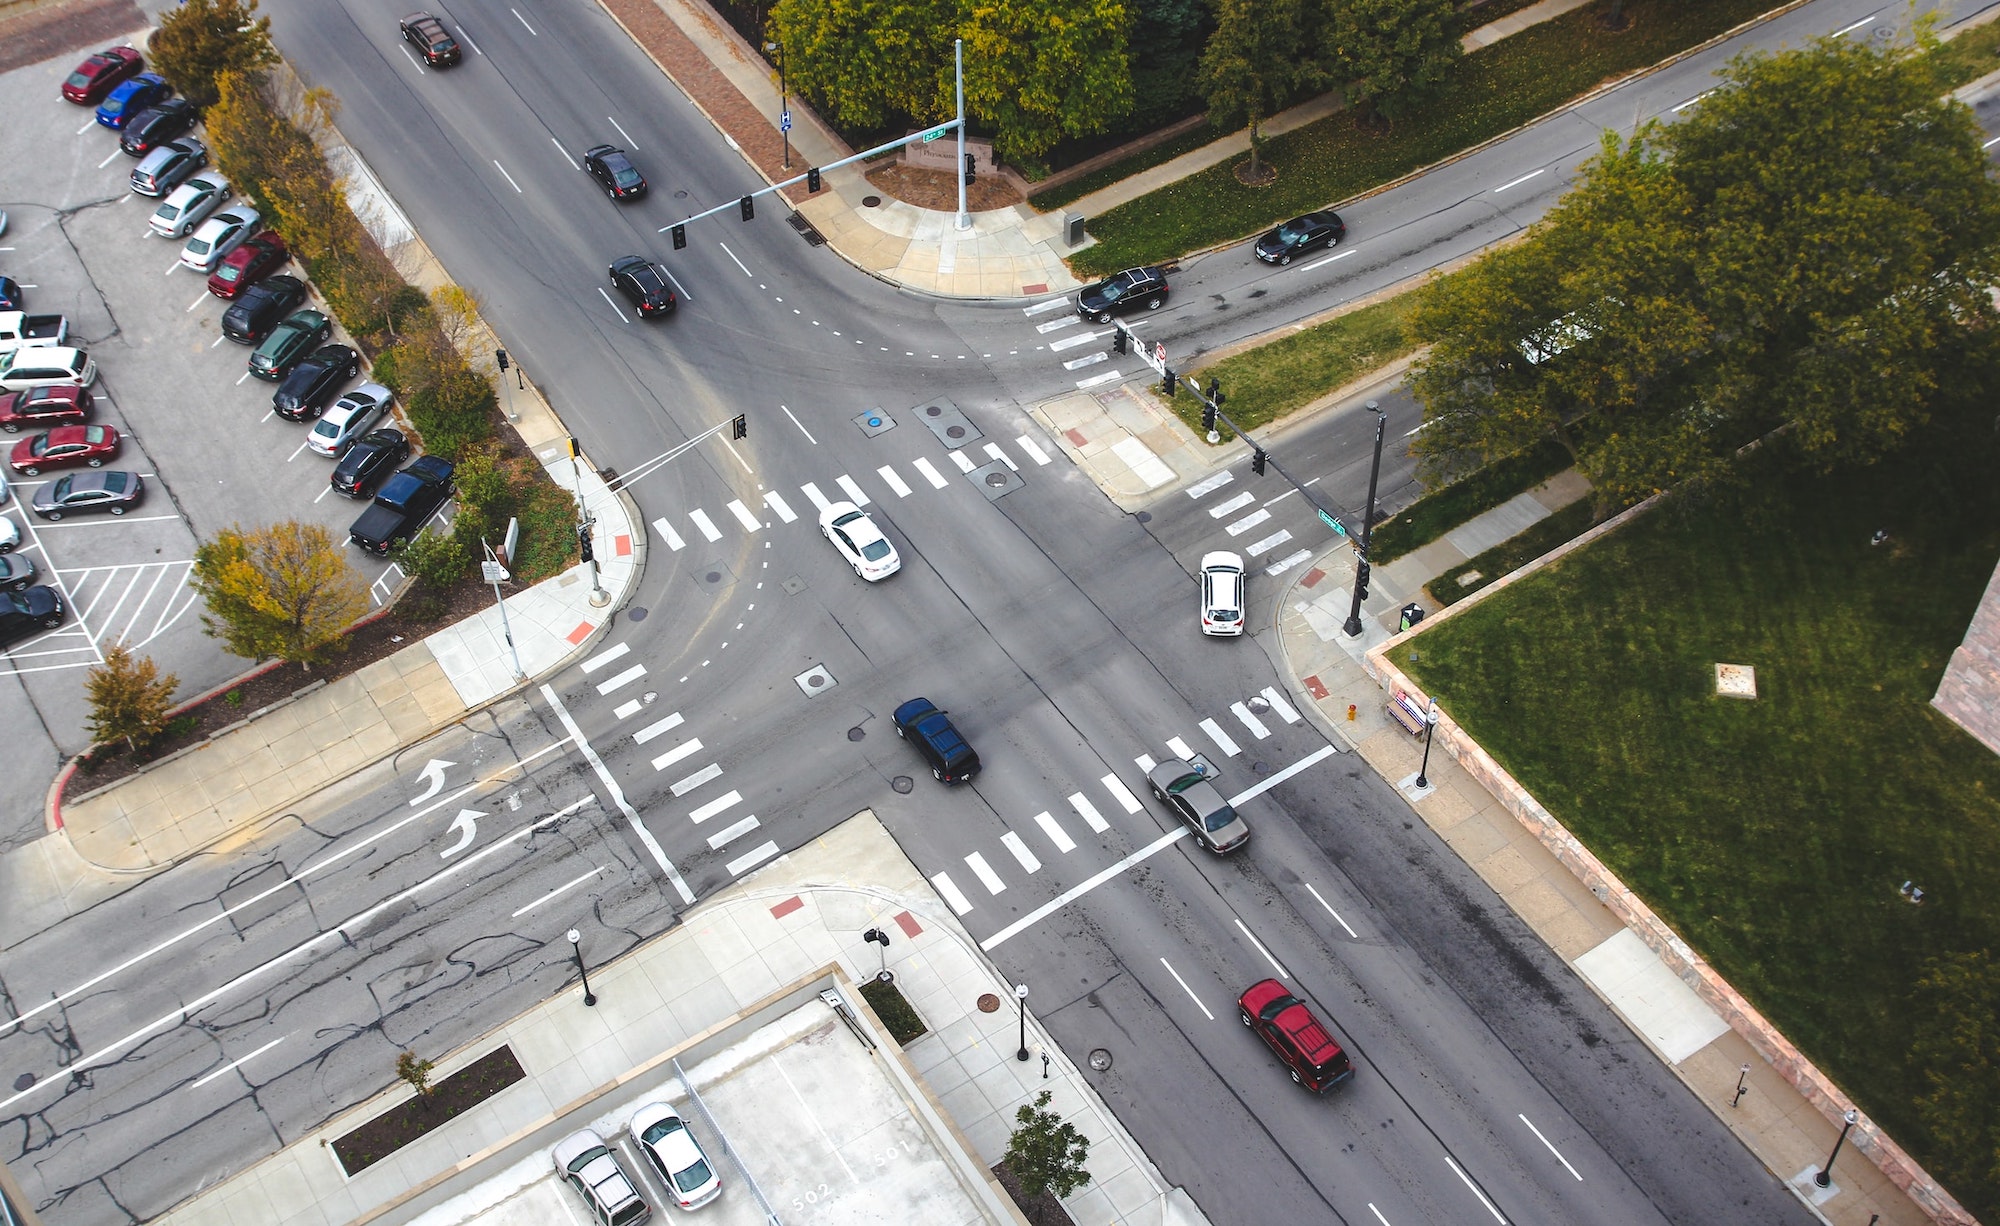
627 709
1119 792
1056 834
567 885
964 465
953 898
605 657
1012 842
1181 749
1035 453
565 154
1310 760
1221 738
523 21
1237 503
801 425
668 534
1845 30
1243 716
1517 182
930 472
993 449
776 502
604 776
820 501
1328 260
1378 1214
503 174
1088 812
713 807
1330 911
656 728
707 773
273 1043
1080 889
1185 988
625 678
750 859
894 481
743 516
987 877
704 525
1276 697
1475 1190
678 287
1248 936
1248 522
732 255
729 834
677 753
853 491
1552 1149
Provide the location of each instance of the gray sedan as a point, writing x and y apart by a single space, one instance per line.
82 493
1194 800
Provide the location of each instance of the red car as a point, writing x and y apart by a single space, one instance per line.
100 74
1290 1030
257 258
44 406
65 447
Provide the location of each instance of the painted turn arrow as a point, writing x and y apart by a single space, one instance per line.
465 823
433 771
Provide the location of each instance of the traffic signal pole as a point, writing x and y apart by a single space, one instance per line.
1352 626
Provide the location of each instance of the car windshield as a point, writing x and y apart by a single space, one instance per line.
633 1212
692 1177
1111 291
440 45
79 80
1218 819
1292 231
328 428
625 176
167 212
229 272
875 551
115 482
197 246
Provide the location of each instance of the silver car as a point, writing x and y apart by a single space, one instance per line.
585 1163
187 205
664 1138
1193 798
218 236
162 170
352 416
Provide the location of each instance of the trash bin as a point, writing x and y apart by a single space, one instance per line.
1412 614
1073 229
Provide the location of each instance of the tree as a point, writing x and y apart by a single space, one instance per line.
203 39
1045 1153
864 63
1957 1016
129 700
1040 70
1805 258
286 591
416 1071
1258 59
1391 53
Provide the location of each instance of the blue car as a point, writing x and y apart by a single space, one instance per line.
145 90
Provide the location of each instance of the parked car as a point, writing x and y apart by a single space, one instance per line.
614 172
164 169
1289 1029
156 125
350 417
100 74
293 338
20 330
23 613
44 366
17 570
48 405
405 502
10 534
950 756
585 1163
310 384
251 317
663 1136
1300 235
432 41
1195 801
1222 594
218 236
107 490
859 541
189 204
131 97
11 297
370 459
1128 291
65 447
258 257
644 283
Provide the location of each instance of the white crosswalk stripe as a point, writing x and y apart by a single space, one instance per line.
705 525
743 516
948 891
893 481
853 491
730 834
1208 485
713 807
626 710
605 657
777 503
1056 834
1034 451
1121 793
820 501
1286 711
751 859
1257 549
676 754
1255 725
1088 359
705 775
1221 738
1145 763
1012 842
964 465
657 728
1109 376
983 871
1287 562
1072 342
993 449
1233 505
1248 522
1047 305
667 533
1088 812
930 472
620 679
1180 749
1057 324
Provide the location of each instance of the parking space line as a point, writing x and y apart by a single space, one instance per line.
115 153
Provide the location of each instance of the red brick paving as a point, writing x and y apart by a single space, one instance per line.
88 25
1315 687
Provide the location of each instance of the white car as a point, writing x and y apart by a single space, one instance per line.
46 366
585 1163
186 206
10 535
663 1136
218 236
859 541
1222 593
352 416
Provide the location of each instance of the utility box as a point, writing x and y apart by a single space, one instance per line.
1073 229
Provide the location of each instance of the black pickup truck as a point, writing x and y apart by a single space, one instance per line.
402 505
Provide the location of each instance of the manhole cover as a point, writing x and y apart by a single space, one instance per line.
815 680
1099 1059
714 576
648 697
875 422
955 431
1258 705
1260 768
988 1003
871 202
856 733
933 410
1144 517
26 1080
902 784
793 586
637 613
680 195
996 479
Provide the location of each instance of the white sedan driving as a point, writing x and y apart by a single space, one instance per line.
857 538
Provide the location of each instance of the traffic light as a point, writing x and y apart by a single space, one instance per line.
575 448
749 206
1167 386
1208 419
740 428
680 237
583 542
971 169
1361 580
1215 389
812 178
1257 461
1119 343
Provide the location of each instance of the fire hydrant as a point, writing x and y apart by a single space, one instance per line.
1350 712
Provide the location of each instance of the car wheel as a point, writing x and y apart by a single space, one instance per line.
52 622
1157 793
1153 303
937 774
116 510
1243 1015
899 732
95 462
11 428
353 369
52 515
32 472
1297 1078
1285 258
1104 317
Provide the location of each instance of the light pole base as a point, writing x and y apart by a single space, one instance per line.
1351 627
589 998
599 598
1416 787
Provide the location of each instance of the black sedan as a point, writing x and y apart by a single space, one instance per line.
1128 291
24 612
372 457
16 571
614 172
313 382
252 316
157 125
645 284
432 41
1300 235
80 493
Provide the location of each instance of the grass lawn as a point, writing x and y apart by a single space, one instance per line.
1279 377
1494 89
1773 835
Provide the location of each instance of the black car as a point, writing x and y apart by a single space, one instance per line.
16 571
1128 291
100 489
313 382
614 172
432 41
1300 235
372 457
645 284
24 612
156 125
952 759
11 298
252 316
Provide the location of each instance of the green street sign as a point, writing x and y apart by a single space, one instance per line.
1339 529
933 135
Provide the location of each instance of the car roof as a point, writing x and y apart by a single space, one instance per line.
1221 558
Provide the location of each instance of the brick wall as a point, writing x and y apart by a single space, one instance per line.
1969 695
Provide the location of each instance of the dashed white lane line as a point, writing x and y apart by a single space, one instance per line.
993 449
1328 260
730 833
820 501
751 859
853 491
550 896
1088 812
1248 522
987 877
704 775
1330 911
667 533
964 465
1185 988
1035 453
1056 834
1012 842
605 657
658 727
621 679
677 753
705 525
1118 790
713 807
510 178
1208 485
1180 748
930 472
1517 182
951 895
523 21
1250 937
743 516
1235 504
1215 733
777 503
1243 716
893 481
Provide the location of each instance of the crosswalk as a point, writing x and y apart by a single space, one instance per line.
675 530
1240 517
1046 834
1069 333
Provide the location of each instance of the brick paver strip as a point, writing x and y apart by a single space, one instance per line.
41 34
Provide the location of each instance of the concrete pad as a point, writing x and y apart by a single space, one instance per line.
1652 998
1502 523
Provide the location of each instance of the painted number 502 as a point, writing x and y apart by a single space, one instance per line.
812 1197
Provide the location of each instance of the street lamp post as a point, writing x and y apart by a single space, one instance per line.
784 102
875 936
1825 1176
1353 624
1430 726
1021 995
576 947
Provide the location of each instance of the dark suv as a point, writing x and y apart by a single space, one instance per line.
1128 291
952 760
1290 1029
251 317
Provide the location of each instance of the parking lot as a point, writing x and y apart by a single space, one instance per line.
198 429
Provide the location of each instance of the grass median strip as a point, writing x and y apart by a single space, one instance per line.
1273 380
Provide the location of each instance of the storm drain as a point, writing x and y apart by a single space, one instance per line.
805 228
815 681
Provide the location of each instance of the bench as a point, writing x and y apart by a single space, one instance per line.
1406 711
